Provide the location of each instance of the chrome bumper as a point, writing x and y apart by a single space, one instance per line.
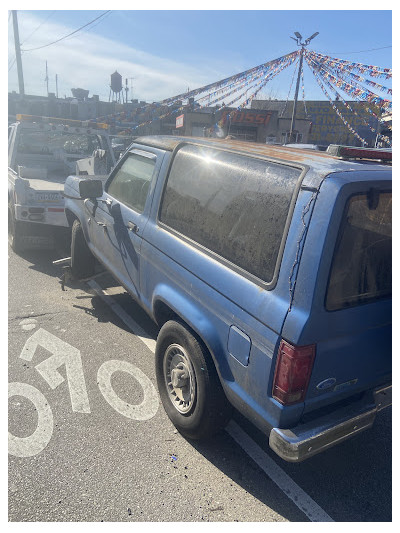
306 440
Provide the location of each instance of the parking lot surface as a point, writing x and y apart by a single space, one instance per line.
89 440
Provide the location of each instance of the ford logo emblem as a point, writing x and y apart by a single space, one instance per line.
326 384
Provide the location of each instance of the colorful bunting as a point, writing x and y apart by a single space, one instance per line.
330 73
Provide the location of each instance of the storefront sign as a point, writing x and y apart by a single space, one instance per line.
179 121
250 118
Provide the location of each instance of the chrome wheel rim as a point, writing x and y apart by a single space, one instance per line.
179 378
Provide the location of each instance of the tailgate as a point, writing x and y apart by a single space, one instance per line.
353 354
348 286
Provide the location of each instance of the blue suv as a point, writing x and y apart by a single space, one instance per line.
268 270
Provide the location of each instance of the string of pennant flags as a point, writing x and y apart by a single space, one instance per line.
332 75
341 64
353 88
351 84
346 123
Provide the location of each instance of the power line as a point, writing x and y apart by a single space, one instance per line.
359 51
12 63
62 38
105 16
40 25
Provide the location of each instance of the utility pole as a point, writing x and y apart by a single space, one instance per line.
57 85
47 80
131 80
126 90
18 54
296 94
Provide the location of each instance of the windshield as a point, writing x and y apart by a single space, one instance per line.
57 143
362 264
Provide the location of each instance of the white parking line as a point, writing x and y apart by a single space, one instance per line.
300 498
306 504
123 315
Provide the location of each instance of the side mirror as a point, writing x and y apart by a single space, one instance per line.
91 188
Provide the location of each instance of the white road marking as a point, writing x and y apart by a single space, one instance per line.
306 504
63 354
37 442
143 411
300 498
123 315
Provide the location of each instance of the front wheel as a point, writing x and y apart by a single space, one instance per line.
188 383
82 259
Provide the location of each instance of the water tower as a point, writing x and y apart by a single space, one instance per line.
115 88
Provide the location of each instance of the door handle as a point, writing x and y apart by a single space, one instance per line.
102 225
132 227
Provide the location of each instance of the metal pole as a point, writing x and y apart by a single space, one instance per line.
18 54
293 122
47 81
298 40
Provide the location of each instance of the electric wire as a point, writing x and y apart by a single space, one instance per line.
72 33
359 51
40 25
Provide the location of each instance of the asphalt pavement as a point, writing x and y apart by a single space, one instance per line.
89 440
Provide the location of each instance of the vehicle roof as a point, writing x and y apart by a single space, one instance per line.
320 163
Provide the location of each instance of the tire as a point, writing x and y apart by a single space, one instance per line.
14 233
82 259
188 383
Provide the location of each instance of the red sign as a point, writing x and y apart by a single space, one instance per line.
252 118
179 121
256 119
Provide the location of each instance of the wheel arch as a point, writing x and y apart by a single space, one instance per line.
71 216
168 304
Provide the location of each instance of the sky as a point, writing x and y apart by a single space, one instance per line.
162 53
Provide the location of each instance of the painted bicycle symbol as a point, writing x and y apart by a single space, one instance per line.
65 355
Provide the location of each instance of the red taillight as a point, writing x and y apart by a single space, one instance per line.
292 373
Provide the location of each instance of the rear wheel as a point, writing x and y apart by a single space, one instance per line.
82 259
188 383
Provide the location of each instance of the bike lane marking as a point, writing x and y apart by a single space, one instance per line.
63 354
39 439
289 487
143 411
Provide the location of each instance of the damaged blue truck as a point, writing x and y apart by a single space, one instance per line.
268 271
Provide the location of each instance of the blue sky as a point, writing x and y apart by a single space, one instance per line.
165 52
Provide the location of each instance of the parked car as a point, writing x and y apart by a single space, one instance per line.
42 152
268 271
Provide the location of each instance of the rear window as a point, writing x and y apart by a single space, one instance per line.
362 264
233 205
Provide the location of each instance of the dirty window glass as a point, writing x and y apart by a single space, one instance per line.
362 263
57 143
234 205
130 184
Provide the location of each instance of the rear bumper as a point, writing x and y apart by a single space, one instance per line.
306 440
51 215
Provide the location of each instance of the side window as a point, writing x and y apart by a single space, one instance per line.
236 206
131 182
362 264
